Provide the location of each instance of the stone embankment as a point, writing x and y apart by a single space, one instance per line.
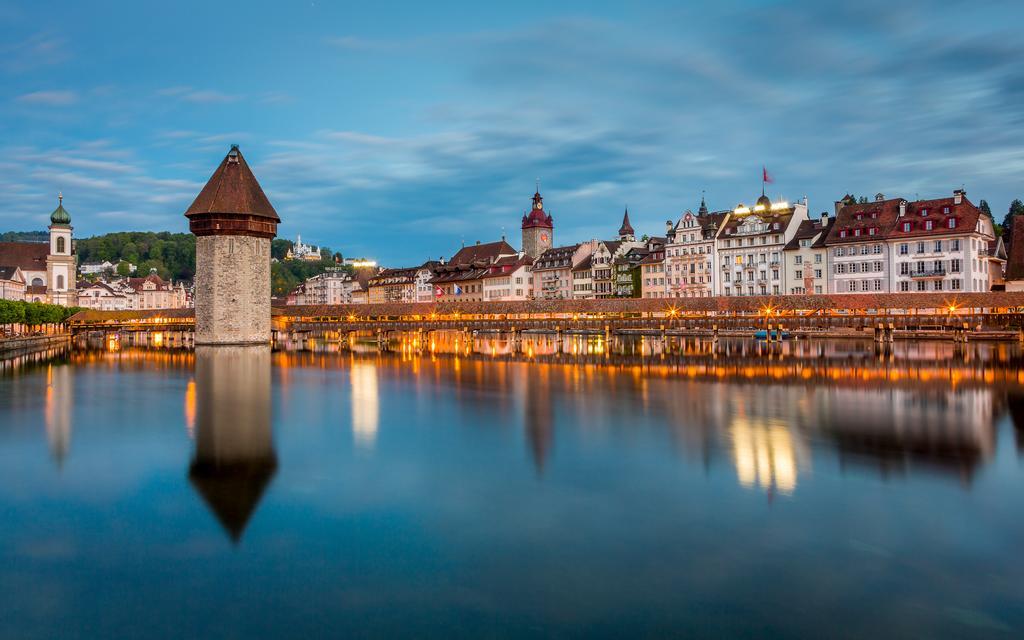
17 345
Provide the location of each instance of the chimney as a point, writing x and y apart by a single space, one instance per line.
903 208
958 196
824 217
839 206
879 197
668 226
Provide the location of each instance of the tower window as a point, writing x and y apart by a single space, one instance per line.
61 244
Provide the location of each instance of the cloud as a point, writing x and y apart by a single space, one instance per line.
39 50
197 96
49 98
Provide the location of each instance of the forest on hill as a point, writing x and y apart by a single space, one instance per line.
173 255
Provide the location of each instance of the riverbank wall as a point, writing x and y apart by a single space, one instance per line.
11 347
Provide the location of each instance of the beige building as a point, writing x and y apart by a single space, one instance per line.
806 258
101 296
12 284
652 270
690 254
462 277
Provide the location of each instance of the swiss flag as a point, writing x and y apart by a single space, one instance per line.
765 177
438 292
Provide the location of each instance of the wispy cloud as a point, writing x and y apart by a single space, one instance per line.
197 96
60 98
39 50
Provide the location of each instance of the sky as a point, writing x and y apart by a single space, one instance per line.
398 131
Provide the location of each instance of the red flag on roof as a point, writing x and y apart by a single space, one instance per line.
765 177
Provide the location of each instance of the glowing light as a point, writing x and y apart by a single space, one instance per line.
780 205
741 209
158 339
190 408
365 403
759 207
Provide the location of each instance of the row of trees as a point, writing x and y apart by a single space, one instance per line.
33 314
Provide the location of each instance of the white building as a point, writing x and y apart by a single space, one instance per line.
750 245
48 268
102 296
894 245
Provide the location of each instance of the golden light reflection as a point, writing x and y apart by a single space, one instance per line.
765 454
365 403
190 409
57 412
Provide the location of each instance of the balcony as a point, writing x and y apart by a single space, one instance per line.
929 273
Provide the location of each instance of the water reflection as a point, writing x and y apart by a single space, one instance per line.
234 457
59 402
365 403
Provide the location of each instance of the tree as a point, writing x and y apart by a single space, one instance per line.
1016 209
983 205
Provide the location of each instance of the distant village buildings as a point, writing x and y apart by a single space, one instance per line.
770 248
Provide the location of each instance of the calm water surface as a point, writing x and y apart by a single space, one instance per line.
803 490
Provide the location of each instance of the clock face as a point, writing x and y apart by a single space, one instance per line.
543 237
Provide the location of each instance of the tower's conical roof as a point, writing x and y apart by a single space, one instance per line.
626 229
233 490
233 189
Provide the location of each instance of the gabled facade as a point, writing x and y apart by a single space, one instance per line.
806 258
12 283
509 279
691 255
750 244
552 271
652 270
102 296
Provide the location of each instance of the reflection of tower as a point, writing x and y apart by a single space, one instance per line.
765 453
59 399
1016 402
365 403
537 415
234 456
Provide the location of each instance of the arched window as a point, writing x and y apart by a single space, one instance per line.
60 280
61 244
37 282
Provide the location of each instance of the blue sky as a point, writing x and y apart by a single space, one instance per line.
398 130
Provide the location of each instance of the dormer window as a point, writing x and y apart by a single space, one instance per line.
871 231
906 227
951 223
856 232
842 233
874 215
860 216
928 225
945 210
924 213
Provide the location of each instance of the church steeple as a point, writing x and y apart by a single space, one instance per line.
626 232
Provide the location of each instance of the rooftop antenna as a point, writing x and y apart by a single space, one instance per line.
60 197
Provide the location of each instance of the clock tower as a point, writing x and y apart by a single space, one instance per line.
538 229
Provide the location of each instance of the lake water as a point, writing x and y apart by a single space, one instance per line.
796 490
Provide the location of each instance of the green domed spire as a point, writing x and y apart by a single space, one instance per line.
60 215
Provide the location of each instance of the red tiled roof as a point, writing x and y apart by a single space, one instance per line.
233 189
939 213
486 252
30 256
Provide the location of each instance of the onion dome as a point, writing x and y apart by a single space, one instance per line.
765 201
60 215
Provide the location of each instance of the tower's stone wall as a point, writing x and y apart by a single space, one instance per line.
232 295
533 246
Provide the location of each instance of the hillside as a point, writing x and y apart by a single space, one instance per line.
173 255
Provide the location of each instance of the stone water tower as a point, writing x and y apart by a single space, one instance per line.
233 222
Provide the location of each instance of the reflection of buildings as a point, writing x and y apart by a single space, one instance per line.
365 403
1016 402
59 399
897 429
234 455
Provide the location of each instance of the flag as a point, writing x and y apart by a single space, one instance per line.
458 290
765 177
438 291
